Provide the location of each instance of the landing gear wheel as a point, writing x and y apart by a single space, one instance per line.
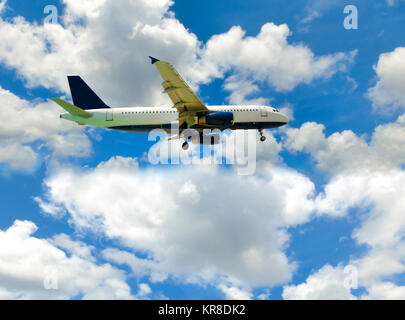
262 137
185 145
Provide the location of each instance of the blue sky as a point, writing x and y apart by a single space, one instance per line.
342 176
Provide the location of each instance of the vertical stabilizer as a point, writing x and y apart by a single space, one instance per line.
83 96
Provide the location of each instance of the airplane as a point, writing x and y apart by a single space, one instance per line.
187 112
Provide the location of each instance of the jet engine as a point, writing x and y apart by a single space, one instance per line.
216 119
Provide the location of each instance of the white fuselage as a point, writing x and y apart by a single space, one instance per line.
144 119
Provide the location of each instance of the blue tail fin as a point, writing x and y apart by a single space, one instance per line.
82 95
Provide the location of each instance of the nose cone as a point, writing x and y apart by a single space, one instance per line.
284 118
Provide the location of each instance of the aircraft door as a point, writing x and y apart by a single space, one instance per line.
263 112
109 115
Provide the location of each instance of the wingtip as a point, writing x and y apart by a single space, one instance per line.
153 60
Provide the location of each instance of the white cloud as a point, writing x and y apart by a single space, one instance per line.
328 283
380 263
86 8
72 48
28 264
235 293
389 92
144 291
109 48
80 48
111 53
368 176
48 208
325 284
269 57
2 5
383 190
309 137
77 248
264 295
240 89
377 197
18 157
186 229
189 230
140 267
316 8
345 151
288 110
27 123
385 291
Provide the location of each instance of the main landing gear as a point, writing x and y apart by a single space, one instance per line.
185 145
262 137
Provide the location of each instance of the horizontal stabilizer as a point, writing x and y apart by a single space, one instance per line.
175 137
73 110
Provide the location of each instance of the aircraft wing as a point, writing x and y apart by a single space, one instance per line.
183 98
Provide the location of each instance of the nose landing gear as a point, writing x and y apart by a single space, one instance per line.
262 137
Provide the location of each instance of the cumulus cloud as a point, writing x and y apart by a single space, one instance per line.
366 175
378 197
139 267
48 208
235 293
269 57
178 221
240 90
144 291
346 151
18 157
106 42
264 205
389 92
383 190
35 268
36 123
78 46
192 232
77 248
111 53
325 284
386 291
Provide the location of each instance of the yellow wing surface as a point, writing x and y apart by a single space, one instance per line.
184 99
